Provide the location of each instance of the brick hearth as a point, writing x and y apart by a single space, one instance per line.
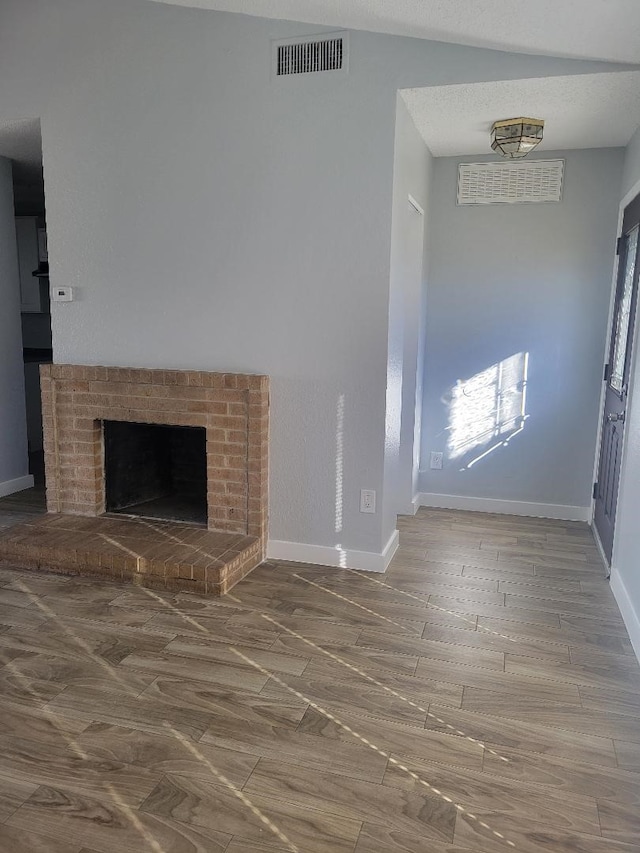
159 554
234 411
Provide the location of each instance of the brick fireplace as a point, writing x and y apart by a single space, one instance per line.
228 415
232 408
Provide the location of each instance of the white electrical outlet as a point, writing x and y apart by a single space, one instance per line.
436 460
367 500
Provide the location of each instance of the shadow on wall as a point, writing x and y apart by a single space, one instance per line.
488 410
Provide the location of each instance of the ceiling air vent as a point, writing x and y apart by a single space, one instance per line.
326 52
510 183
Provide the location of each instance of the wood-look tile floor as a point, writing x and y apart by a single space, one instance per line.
481 696
22 506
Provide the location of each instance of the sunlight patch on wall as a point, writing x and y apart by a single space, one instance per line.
340 475
489 409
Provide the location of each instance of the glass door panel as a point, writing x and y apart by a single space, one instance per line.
623 314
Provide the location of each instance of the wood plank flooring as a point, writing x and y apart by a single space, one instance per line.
22 506
480 696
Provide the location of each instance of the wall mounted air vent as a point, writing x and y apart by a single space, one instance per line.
510 183
309 55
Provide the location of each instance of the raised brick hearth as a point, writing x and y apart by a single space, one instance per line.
158 554
233 409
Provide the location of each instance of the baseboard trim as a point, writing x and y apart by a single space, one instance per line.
628 611
325 555
9 487
603 556
413 507
537 510
391 547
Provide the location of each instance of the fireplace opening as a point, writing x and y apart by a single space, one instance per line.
156 471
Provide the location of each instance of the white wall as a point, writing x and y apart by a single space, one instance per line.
625 574
412 172
211 218
14 465
509 279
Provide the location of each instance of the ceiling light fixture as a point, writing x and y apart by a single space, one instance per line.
516 137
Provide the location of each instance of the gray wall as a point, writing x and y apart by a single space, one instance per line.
412 174
212 218
509 279
626 554
13 426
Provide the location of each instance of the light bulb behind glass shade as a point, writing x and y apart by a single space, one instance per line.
515 138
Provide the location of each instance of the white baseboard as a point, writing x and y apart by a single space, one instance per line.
18 485
603 556
412 508
628 611
391 547
325 555
538 510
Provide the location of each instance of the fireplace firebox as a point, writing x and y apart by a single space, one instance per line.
156 471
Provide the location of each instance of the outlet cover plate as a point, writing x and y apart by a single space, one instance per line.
367 500
436 460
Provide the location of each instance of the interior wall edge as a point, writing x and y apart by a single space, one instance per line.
627 610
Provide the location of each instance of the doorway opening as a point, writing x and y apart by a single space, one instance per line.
21 143
617 378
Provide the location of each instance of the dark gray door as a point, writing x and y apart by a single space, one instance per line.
617 379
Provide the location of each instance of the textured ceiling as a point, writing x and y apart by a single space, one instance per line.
591 29
581 111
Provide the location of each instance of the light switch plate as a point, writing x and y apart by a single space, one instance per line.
62 294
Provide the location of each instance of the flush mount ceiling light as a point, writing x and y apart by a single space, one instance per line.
516 137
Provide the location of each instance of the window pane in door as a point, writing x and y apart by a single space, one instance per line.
624 314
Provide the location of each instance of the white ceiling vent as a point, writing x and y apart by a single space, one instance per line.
311 54
510 183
